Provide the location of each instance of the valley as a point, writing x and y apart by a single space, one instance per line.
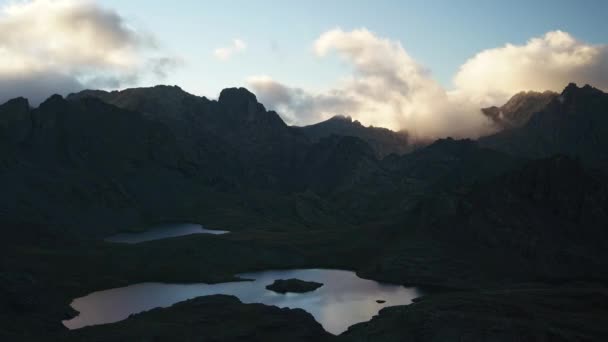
510 225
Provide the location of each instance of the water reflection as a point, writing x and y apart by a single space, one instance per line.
163 232
342 301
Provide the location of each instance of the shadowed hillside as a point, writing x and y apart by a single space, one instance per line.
382 140
523 209
575 123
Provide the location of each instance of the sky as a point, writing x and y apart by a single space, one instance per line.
397 64
280 36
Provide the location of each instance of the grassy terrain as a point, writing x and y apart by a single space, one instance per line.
41 272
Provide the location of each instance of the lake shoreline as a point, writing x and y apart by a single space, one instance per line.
89 265
347 296
160 232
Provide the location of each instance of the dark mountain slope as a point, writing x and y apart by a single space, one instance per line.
519 109
454 214
236 128
95 165
84 162
552 213
212 318
385 192
575 123
382 140
543 221
563 314
337 163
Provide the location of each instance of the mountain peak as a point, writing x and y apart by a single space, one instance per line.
169 87
16 103
15 120
237 96
573 90
341 118
53 101
570 88
382 140
519 109
127 97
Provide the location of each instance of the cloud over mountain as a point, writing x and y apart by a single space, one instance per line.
389 88
298 106
64 45
544 63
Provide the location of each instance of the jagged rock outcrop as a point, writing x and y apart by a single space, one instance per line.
160 153
574 123
519 109
211 318
544 220
78 160
235 133
293 285
524 314
15 122
383 141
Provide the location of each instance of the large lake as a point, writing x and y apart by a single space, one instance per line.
342 301
163 232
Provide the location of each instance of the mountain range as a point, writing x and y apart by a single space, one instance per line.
527 204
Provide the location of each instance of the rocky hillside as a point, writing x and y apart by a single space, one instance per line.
519 109
159 153
574 123
118 159
382 140
523 209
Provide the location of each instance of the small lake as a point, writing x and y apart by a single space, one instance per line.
163 232
343 300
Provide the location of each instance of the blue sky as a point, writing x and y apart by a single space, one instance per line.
441 35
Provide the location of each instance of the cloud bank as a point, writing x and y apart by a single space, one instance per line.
549 62
62 46
225 53
389 88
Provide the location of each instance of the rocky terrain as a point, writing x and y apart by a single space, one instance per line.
574 123
511 228
383 141
211 318
524 314
519 109
293 285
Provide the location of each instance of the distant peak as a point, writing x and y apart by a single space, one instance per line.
161 88
172 87
237 95
451 142
533 93
53 101
341 117
343 120
573 90
19 102
570 88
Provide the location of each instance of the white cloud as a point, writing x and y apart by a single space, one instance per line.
76 42
225 53
298 106
389 88
544 63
